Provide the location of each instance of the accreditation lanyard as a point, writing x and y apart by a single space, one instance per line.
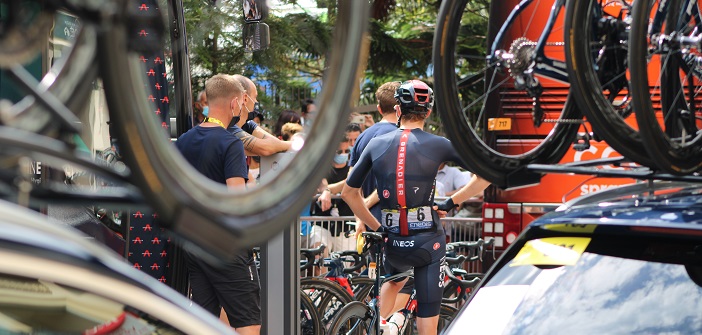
400 181
213 120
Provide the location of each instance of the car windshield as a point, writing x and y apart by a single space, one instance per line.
591 288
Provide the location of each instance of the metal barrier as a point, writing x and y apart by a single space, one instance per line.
330 230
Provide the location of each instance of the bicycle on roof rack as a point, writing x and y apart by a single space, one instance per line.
482 98
42 125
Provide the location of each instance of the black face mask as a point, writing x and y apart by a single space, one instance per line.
254 112
234 121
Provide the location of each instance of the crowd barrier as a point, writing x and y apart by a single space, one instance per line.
333 232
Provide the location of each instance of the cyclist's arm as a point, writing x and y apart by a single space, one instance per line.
353 197
372 199
475 186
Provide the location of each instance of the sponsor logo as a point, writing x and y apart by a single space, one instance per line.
436 246
403 244
415 189
386 194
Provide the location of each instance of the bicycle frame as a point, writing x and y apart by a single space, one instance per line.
544 65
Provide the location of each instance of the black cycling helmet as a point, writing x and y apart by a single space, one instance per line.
414 96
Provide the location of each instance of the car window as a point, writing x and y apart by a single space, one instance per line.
610 286
31 306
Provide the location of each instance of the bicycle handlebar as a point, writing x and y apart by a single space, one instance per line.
310 255
455 260
479 245
462 284
357 261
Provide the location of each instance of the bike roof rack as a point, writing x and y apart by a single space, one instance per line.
600 168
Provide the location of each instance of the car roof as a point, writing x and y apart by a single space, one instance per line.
656 204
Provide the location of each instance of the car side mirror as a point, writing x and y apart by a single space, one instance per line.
255 33
254 10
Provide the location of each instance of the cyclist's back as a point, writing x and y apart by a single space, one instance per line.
424 153
405 163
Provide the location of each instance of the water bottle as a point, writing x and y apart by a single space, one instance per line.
396 323
371 270
385 327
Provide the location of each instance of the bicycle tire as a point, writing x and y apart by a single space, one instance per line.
68 82
677 150
596 56
212 218
310 323
446 316
478 150
354 319
363 287
329 297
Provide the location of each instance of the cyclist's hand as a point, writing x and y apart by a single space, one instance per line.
360 227
381 229
445 205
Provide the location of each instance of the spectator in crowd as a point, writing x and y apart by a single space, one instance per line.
363 120
257 141
258 119
289 129
219 155
452 178
333 233
307 109
385 95
353 130
286 116
200 110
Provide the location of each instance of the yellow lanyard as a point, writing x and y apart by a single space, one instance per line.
213 120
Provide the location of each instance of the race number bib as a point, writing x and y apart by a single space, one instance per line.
417 218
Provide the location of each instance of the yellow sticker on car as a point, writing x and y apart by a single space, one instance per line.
571 227
551 251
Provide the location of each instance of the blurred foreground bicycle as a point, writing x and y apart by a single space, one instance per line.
42 126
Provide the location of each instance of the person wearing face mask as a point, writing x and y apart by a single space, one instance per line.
219 155
200 110
333 233
257 141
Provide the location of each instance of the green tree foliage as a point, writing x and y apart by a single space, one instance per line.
401 34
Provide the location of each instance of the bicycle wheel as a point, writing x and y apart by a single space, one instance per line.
354 319
446 316
327 296
209 216
310 323
362 287
668 43
475 100
596 54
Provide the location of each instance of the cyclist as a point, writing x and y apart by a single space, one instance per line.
405 163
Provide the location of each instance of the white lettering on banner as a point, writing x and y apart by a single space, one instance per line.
403 244
606 153
586 189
